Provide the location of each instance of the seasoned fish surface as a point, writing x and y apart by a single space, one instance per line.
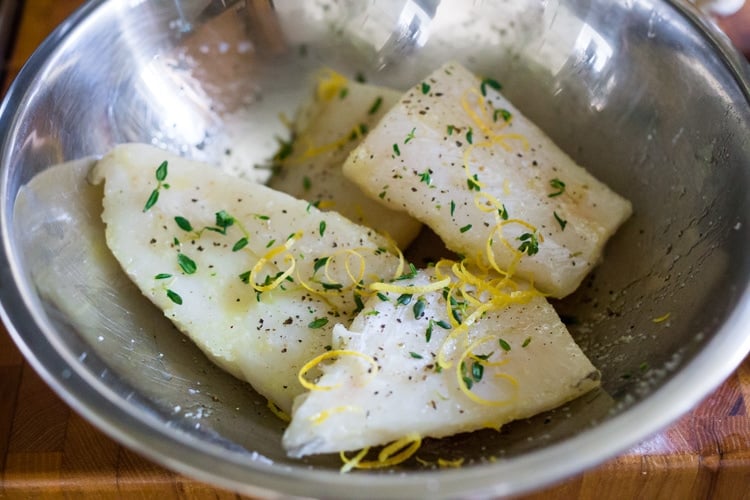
406 367
235 265
340 113
459 157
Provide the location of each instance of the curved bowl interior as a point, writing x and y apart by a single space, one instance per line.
639 92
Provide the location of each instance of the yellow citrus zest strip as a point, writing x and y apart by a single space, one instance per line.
268 257
330 84
278 411
392 454
412 289
351 463
321 416
349 252
473 396
662 318
327 355
444 463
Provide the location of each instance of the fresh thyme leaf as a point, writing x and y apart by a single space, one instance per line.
451 128
375 106
152 199
404 299
560 221
453 207
162 276
318 323
470 136
415 355
473 183
526 342
319 263
183 223
425 88
503 212
465 228
558 186
428 332
396 149
241 243
418 308
489 82
443 324
174 297
187 264
410 135
161 171
529 244
477 371
504 345
306 183
322 227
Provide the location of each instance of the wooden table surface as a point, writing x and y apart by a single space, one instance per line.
48 451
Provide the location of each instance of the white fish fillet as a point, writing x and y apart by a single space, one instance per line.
529 362
338 115
263 338
459 157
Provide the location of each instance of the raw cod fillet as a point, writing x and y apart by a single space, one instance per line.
435 378
211 252
338 115
456 155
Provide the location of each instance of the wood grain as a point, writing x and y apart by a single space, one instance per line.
48 451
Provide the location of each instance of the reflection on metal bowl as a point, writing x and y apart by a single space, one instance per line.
643 93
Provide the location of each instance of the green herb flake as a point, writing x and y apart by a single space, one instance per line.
465 228
443 324
245 277
415 355
162 276
382 296
503 113
489 82
358 302
451 128
428 332
470 136
410 135
321 262
270 243
152 199
418 308
526 342
558 186
223 221
375 106
404 299
306 183
183 223
318 323
187 264
240 244
477 371
425 88
453 207
560 221
322 227
529 244
343 93
503 212
174 297
473 183
331 286
396 150
426 177
505 346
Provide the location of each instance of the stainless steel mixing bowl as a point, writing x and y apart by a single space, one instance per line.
645 94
